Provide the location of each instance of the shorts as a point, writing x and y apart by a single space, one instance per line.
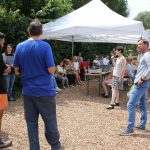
115 83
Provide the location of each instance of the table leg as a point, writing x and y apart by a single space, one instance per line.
87 85
99 86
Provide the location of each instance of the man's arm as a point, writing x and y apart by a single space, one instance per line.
17 72
123 68
49 60
146 76
51 70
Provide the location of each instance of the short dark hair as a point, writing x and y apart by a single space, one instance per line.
35 28
120 48
145 42
2 35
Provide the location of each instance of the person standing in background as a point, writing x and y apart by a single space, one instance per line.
80 58
118 74
8 58
4 69
34 61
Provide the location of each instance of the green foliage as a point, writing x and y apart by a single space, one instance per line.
119 6
25 6
16 14
13 25
145 18
78 3
54 9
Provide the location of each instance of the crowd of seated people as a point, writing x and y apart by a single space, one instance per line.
102 62
69 72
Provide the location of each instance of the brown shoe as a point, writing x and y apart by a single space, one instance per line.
5 144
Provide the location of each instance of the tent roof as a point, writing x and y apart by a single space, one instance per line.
94 22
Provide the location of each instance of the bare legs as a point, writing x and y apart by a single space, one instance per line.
115 99
115 96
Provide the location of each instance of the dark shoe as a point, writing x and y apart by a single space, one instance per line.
139 127
105 96
110 107
116 104
61 148
5 144
126 132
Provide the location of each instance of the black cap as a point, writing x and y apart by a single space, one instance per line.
120 48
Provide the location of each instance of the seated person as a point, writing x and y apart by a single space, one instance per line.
106 84
77 70
55 84
128 72
61 73
70 72
84 68
134 65
128 75
96 62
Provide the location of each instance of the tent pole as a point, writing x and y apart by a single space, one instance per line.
72 46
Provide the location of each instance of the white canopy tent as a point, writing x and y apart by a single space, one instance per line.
94 22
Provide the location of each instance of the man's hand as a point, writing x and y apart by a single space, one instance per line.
139 82
7 70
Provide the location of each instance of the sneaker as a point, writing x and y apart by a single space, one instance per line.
126 132
139 127
61 148
58 89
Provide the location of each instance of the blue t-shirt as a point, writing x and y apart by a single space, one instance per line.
33 57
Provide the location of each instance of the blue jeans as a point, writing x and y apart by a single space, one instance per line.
46 107
138 94
9 80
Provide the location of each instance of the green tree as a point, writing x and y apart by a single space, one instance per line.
13 25
15 16
25 6
119 6
145 18
78 3
53 9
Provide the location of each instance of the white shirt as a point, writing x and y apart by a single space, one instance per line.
105 61
76 65
118 67
143 70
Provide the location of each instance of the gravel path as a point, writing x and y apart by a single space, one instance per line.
84 123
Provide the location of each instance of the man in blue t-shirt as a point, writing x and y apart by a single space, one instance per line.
34 62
